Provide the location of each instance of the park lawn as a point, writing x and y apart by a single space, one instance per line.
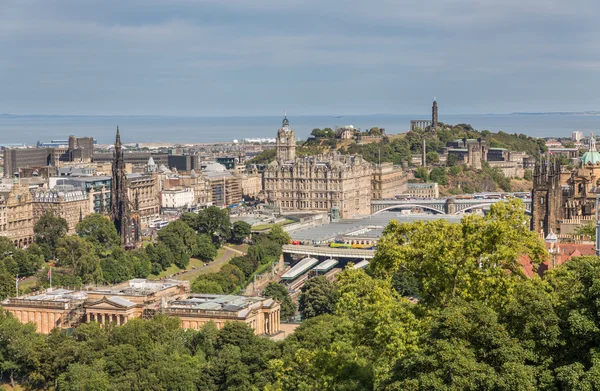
24 286
262 227
240 247
174 269
212 267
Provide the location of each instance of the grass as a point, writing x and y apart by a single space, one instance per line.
192 274
174 269
262 227
26 285
240 247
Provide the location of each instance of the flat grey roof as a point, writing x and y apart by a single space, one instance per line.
376 222
301 267
325 265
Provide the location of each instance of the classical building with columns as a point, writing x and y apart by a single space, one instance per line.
260 314
141 298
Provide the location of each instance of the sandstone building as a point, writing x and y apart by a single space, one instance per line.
333 182
140 298
555 199
63 201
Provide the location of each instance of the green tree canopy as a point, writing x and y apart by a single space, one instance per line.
48 231
476 259
99 230
214 222
280 293
318 297
240 231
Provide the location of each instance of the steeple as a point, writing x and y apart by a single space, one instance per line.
118 140
119 204
285 125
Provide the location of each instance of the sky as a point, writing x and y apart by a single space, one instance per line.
330 57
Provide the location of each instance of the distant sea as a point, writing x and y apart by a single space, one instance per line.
29 129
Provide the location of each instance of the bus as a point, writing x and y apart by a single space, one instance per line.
158 224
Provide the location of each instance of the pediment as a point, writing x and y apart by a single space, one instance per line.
108 304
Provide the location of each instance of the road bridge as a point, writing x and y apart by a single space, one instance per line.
448 206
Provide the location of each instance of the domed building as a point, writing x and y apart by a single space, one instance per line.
323 183
556 202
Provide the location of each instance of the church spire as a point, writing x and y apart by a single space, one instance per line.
118 139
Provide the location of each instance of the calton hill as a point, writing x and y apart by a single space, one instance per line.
442 306
452 176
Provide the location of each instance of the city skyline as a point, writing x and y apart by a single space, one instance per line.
256 58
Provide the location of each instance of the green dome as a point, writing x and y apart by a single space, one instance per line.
591 157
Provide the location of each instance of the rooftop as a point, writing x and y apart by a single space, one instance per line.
374 223
225 303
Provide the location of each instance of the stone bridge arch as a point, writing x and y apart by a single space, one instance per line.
416 205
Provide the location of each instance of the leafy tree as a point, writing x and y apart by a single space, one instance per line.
205 248
280 293
245 264
6 247
240 231
451 161
422 173
439 175
181 240
85 377
48 230
140 263
214 222
432 157
190 219
160 255
278 235
99 230
588 229
468 260
382 321
318 297
466 349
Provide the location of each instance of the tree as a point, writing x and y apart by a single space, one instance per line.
181 240
80 256
205 249
6 247
190 219
48 230
476 259
422 173
452 159
280 293
588 229
240 231
279 236
99 230
318 297
245 264
439 175
161 255
432 157
466 349
214 222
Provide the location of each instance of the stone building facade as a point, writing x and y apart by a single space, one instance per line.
388 181
144 197
140 298
63 201
316 183
554 199
18 202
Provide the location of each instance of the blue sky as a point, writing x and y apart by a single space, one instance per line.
257 57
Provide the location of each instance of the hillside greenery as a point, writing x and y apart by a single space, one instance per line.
442 307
